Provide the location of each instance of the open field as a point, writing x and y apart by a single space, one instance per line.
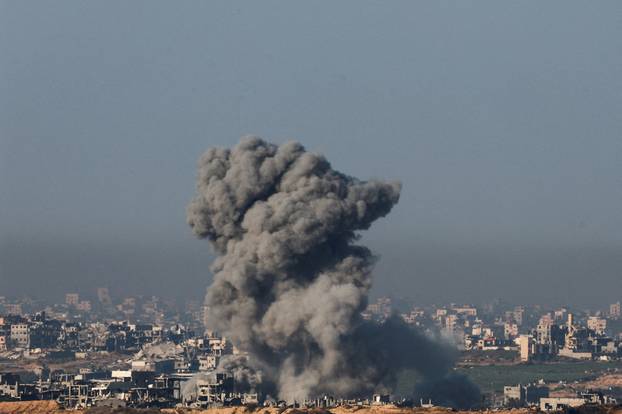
492 378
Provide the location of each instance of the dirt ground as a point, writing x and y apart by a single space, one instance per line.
51 407
606 381
29 407
609 383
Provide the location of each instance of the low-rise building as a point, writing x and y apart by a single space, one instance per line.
523 395
9 386
559 403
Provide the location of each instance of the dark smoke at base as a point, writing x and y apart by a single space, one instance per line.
452 390
289 282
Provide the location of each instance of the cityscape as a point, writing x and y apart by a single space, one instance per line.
94 350
316 207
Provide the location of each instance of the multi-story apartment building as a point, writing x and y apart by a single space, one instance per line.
510 330
103 296
72 299
20 335
13 308
598 325
84 306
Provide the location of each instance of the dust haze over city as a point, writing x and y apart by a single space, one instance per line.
365 174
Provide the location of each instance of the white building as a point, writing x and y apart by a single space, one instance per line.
526 344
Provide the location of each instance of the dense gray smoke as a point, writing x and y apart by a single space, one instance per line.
290 284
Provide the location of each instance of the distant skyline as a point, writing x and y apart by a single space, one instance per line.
502 120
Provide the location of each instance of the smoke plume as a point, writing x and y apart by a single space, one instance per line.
290 282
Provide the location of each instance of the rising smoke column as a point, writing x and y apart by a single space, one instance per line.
289 282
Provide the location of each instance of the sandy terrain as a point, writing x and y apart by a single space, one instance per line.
338 410
608 383
28 407
605 381
50 407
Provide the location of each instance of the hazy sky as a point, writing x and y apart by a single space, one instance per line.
502 119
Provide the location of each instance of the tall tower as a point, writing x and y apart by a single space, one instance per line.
526 347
